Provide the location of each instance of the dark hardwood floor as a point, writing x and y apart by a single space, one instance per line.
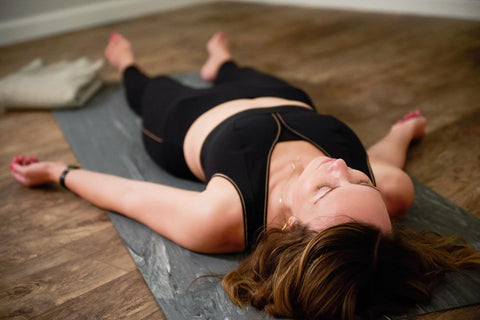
61 258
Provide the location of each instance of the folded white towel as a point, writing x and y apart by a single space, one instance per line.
59 85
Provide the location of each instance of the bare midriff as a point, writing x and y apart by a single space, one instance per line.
203 125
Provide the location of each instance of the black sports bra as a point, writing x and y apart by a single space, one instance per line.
239 150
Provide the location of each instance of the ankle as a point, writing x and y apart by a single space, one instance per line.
121 68
401 132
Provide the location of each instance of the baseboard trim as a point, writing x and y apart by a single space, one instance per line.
76 18
459 9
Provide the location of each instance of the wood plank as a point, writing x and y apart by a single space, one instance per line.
46 226
453 157
122 298
50 286
106 246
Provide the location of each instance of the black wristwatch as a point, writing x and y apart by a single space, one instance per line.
64 174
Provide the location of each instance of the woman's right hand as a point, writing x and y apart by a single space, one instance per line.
30 172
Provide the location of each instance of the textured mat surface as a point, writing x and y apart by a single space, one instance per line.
105 136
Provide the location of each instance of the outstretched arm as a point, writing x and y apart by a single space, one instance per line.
387 158
189 218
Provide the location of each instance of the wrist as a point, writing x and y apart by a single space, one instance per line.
55 170
64 175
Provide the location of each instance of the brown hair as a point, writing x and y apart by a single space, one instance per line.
344 271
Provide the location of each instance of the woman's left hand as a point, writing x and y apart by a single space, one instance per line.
30 172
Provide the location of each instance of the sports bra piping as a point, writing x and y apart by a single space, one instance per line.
302 136
152 135
267 171
242 200
323 150
370 170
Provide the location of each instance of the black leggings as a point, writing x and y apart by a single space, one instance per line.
168 108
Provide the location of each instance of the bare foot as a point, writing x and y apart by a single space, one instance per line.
412 124
119 52
219 52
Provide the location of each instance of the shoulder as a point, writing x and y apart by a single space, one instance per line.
225 215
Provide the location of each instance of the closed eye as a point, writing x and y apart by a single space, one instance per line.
326 189
322 191
365 182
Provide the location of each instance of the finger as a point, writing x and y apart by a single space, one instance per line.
30 160
13 167
20 174
20 178
18 168
17 159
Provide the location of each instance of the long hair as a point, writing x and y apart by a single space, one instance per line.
345 271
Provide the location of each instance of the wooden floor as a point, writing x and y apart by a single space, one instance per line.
61 258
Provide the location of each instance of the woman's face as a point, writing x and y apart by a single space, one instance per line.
328 193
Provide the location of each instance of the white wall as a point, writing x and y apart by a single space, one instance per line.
461 9
22 20
15 9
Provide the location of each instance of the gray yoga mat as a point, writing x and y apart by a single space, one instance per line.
105 136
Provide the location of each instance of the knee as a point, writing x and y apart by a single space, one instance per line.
398 192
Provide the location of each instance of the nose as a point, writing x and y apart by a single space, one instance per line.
339 169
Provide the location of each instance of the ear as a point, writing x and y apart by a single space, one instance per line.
290 223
